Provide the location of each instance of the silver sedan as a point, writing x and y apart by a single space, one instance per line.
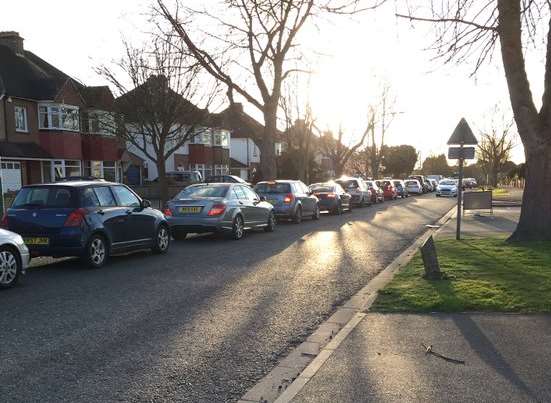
221 207
14 258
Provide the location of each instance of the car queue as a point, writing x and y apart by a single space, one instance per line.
93 219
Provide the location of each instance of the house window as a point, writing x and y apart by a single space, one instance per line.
278 149
110 171
221 169
222 139
101 122
21 119
60 117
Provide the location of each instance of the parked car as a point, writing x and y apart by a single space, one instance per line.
230 208
469 183
14 258
332 197
422 181
389 191
377 194
434 183
88 219
401 188
357 188
291 199
437 178
413 186
447 187
226 179
183 178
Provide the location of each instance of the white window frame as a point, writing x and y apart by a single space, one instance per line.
62 111
17 109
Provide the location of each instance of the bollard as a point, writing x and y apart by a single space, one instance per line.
430 260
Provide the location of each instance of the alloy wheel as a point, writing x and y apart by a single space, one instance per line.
97 251
238 227
8 268
163 239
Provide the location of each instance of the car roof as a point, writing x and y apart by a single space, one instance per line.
72 184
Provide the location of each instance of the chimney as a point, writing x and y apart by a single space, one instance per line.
12 40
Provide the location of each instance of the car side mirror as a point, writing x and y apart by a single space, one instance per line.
262 198
145 204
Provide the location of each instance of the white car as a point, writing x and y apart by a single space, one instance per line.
414 187
447 188
14 258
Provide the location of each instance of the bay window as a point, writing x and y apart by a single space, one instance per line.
58 116
101 122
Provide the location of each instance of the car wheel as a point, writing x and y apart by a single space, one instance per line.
339 209
297 219
238 228
10 267
316 215
271 223
179 235
162 240
362 203
97 252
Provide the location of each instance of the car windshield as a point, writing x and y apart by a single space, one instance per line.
447 183
198 192
411 183
44 197
266 187
322 188
348 184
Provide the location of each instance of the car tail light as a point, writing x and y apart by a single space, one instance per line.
331 195
167 212
217 209
288 198
4 223
75 218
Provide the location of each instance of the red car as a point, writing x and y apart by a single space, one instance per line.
389 190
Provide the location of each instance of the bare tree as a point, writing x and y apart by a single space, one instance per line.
494 151
335 149
261 37
156 85
471 28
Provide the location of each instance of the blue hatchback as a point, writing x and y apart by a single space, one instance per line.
88 219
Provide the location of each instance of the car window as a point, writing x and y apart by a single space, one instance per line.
126 197
88 198
197 192
273 187
251 195
239 193
44 197
105 196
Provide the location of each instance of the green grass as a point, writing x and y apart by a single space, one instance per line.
481 275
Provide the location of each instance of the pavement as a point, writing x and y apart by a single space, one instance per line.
203 323
382 359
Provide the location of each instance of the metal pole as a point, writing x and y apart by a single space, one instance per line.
459 194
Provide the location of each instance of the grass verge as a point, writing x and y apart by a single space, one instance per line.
482 275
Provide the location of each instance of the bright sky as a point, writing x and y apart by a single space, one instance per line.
431 98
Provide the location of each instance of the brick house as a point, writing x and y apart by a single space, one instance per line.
49 122
207 152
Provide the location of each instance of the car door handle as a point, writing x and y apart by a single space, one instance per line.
101 212
241 202
128 212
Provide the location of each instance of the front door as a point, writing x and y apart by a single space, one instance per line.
140 227
114 218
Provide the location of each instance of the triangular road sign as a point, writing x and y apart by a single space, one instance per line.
463 134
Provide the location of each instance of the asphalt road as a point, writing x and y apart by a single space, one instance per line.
202 323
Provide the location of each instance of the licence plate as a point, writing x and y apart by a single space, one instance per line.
272 202
39 241
190 210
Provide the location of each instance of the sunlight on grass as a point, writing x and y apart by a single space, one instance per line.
482 275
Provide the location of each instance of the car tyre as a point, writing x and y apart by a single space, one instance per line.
97 252
10 267
316 215
271 223
162 240
297 219
238 228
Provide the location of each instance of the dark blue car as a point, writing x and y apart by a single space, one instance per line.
88 219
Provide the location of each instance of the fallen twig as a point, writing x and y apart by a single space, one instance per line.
429 350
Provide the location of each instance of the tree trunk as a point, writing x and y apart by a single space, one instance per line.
494 176
268 165
163 183
535 217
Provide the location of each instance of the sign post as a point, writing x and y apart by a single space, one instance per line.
462 136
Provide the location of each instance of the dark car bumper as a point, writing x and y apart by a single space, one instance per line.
69 242
284 211
199 225
328 204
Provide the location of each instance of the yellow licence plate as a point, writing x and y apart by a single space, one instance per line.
37 241
190 210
